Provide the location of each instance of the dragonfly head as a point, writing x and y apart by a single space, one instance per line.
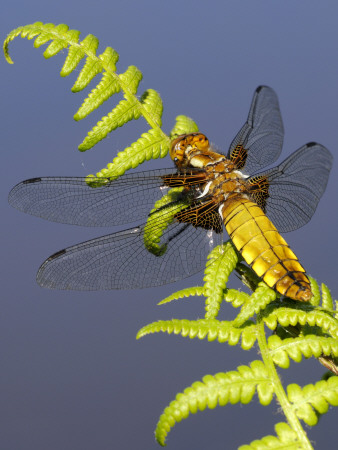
185 146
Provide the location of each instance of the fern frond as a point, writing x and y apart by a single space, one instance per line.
257 301
77 53
195 291
149 145
92 65
107 87
156 224
288 316
212 329
123 113
223 388
287 440
327 301
321 297
221 262
312 400
45 33
297 319
237 298
184 125
295 348
153 144
152 103
315 300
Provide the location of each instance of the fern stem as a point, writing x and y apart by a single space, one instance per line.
278 387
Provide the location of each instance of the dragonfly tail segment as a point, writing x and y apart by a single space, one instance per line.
260 244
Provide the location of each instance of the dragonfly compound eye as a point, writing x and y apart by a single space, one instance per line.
198 140
184 142
177 148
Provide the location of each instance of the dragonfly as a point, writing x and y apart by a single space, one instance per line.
185 210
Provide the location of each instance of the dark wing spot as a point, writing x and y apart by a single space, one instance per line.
202 215
56 255
32 180
239 156
259 189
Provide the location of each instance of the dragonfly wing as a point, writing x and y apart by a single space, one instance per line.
290 192
71 200
260 140
122 261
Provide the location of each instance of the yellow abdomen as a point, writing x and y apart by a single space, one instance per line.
260 244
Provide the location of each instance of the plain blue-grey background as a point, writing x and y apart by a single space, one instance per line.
72 374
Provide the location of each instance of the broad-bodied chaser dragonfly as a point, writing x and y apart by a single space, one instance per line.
186 209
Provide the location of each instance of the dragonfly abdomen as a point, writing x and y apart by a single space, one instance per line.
260 244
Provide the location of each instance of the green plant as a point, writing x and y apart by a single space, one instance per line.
152 144
298 329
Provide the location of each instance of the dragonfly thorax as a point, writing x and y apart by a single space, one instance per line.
224 185
222 181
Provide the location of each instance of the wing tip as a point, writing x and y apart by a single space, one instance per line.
261 87
41 278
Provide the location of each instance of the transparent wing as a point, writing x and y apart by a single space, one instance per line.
122 261
260 140
71 200
290 192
